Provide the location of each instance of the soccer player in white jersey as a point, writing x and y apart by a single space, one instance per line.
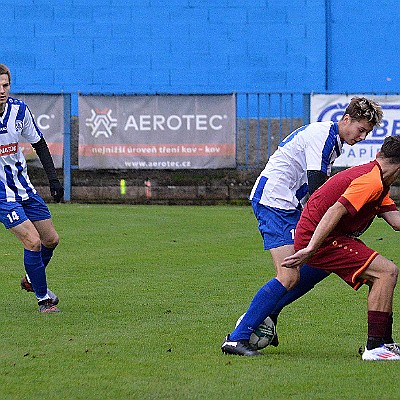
299 166
22 211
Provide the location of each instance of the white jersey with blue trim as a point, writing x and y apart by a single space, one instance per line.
15 122
283 182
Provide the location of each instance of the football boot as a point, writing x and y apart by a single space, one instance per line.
381 353
240 347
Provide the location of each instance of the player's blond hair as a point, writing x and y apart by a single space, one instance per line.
363 108
4 70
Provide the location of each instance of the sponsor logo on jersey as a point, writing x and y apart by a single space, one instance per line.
18 125
7 149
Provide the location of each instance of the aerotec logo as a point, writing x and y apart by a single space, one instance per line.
101 123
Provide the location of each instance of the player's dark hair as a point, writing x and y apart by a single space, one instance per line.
363 108
4 70
391 149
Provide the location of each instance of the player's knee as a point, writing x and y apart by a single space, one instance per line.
32 242
395 272
391 271
52 242
295 282
289 279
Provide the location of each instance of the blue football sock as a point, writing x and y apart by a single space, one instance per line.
47 253
309 277
35 268
261 306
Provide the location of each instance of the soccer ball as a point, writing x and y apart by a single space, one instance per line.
263 335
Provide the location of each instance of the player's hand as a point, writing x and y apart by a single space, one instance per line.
56 190
297 259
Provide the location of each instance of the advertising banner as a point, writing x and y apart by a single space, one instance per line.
331 107
48 112
157 132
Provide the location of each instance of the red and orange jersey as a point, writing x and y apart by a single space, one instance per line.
360 189
364 189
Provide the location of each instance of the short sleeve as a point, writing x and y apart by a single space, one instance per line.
29 129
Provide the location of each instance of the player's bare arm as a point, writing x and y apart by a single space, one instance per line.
323 229
392 218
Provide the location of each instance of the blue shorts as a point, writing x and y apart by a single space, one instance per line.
14 213
276 226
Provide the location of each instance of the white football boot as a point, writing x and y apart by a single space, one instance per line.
381 353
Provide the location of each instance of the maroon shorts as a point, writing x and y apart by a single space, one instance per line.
345 256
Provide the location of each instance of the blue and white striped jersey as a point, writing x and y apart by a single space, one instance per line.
15 122
283 182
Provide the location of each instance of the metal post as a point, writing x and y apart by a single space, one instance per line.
67 147
306 108
328 44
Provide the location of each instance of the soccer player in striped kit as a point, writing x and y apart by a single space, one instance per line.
22 210
298 167
327 238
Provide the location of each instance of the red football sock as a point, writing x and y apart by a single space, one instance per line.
388 338
378 327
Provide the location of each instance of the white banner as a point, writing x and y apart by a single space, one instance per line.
48 112
157 132
330 107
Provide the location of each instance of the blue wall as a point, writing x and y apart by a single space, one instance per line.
201 46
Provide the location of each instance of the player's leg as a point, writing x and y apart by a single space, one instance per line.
268 295
263 303
309 277
356 264
34 267
15 220
49 238
39 214
382 275
277 229
29 237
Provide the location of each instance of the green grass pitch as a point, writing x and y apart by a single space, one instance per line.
147 294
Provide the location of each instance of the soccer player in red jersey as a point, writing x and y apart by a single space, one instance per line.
301 164
327 238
